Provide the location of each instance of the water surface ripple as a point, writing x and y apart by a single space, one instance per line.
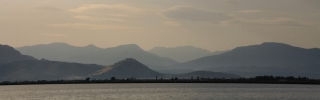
160 91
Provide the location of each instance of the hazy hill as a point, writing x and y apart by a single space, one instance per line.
9 54
127 68
45 70
207 74
266 58
92 54
183 53
57 51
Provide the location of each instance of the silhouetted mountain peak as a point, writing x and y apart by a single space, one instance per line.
265 55
3 46
128 47
272 43
91 46
59 44
275 44
129 59
271 52
5 49
266 47
9 54
126 68
129 62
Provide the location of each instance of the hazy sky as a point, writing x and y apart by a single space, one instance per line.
209 24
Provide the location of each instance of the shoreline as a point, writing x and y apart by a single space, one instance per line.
157 81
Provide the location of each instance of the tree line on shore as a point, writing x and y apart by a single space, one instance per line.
258 79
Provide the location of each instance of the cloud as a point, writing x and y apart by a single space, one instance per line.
48 8
274 22
172 23
106 12
117 9
194 14
99 19
55 35
92 26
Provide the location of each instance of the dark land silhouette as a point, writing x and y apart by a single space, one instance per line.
249 61
257 79
127 68
264 59
9 54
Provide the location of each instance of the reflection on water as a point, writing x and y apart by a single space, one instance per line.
152 91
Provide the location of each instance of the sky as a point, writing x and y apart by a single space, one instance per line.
209 24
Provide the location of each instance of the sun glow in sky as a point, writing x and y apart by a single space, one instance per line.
209 24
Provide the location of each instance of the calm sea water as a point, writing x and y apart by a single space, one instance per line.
158 91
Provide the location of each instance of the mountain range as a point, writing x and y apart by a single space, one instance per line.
183 53
93 55
17 69
268 58
264 59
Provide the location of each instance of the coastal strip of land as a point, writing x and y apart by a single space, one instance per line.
257 79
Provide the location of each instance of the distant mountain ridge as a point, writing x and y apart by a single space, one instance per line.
56 51
268 57
9 54
33 69
183 53
94 55
276 59
265 54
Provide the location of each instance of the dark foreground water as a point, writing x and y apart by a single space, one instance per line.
166 91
